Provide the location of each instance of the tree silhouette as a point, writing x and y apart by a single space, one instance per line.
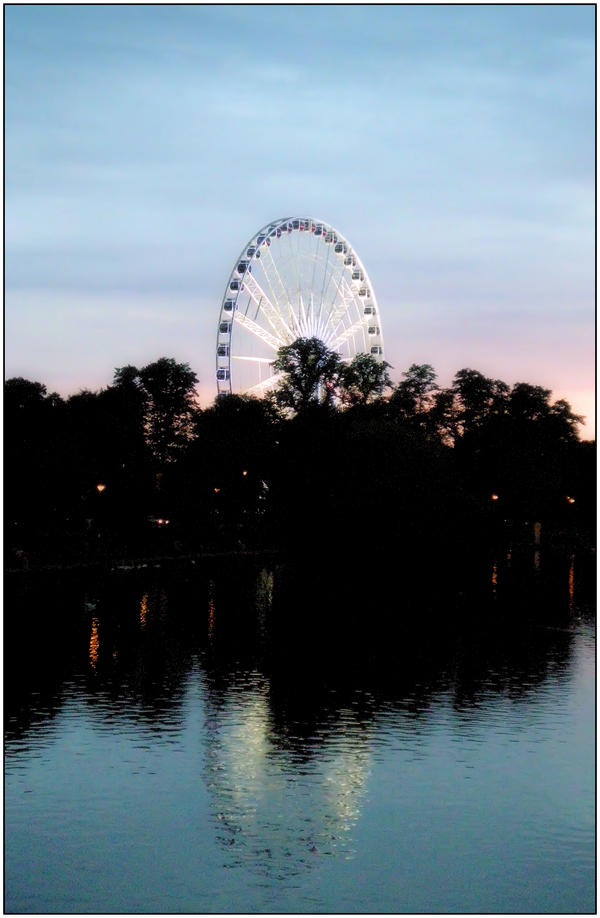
169 387
414 394
34 452
529 407
164 391
311 374
364 379
128 403
222 478
478 398
21 395
288 471
413 398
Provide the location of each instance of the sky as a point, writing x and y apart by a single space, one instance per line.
453 146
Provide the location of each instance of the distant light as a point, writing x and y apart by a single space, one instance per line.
245 472
100 488
571 500
216 490
493 496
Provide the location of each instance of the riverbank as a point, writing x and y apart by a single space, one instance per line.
158 562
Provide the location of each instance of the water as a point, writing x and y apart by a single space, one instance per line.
176 744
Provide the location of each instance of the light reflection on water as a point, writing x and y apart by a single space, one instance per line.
277 811
173 746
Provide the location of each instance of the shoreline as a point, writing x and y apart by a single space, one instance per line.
143 563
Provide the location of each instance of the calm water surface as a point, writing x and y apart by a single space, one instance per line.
241 740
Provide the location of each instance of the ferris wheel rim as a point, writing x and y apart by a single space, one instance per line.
276 330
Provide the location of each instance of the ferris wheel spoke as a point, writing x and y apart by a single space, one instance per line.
317 266
257 330
286 300
325 278
337 318
314 257
273 317
330 305
348 333
343 309
310 325
301 313
264 385
273 299
344 303
293 260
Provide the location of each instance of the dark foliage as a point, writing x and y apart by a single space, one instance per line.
328 467
311 373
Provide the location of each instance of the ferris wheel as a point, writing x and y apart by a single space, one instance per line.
295 278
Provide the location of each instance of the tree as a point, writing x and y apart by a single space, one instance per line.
564 422
528 403
364 379
478 398
34 453
311 374
414 394
164 391
221 484
128 403
529 407
22 394
443 416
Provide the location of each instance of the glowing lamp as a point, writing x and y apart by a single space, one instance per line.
493 496
100 488
570 500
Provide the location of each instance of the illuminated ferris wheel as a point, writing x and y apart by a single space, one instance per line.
295 278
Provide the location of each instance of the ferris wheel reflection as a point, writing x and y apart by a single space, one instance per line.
276 810
281 800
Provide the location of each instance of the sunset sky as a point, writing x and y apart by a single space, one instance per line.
452 146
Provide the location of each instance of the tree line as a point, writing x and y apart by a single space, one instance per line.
335 459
